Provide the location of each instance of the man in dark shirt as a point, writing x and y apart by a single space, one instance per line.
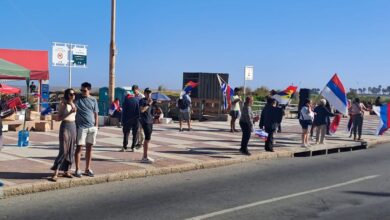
130 120
269 121
146 121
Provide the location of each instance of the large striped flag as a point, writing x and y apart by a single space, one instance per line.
284 96
384 116
227 93
334 92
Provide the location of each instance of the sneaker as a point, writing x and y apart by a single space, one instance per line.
147 160
89 173
138 146
303 145
78 174
123 149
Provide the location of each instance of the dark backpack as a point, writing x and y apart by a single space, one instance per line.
183 103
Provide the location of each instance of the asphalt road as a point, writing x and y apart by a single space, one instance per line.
350 185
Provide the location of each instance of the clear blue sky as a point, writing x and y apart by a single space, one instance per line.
287 41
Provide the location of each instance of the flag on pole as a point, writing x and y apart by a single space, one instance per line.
188 87
384 116
334 92
227 93
284 96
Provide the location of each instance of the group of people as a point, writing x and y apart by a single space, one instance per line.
270 120
79 125
319 118
79 128
311 118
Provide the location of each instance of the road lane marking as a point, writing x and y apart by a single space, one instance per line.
250 205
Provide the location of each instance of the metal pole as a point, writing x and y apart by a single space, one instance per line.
111 86
70 65
244 83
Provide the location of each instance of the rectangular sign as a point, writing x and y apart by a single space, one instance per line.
60 55
79 56
45 95
248 72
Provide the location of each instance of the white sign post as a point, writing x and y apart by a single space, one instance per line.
248 75
69 55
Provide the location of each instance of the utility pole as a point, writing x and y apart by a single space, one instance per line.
111 86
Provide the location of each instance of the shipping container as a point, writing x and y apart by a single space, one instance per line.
208 87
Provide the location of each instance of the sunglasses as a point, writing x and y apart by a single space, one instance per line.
71 94
84 90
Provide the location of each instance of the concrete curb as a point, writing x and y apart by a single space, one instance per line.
42 186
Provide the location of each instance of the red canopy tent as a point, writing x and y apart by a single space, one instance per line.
34 60
6 89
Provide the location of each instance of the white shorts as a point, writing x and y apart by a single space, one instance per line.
86 135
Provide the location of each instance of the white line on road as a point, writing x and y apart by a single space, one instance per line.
250 205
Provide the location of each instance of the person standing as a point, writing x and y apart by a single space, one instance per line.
33 87
184 104
306 117
270 116
246 124
378 101
235 111
140 134
87 127
130 121
146 120
116 111
67 136
320 115
357 112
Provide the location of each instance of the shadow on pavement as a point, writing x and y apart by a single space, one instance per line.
26 175
381 194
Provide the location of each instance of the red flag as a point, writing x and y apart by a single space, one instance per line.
335 124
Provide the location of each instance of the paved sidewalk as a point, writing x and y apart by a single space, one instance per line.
210 144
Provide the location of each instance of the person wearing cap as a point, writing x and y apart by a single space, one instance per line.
140 135
130 120
320 115
185 110
146 121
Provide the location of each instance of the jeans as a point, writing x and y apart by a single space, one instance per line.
357 125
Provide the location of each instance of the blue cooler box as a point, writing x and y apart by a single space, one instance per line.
23 138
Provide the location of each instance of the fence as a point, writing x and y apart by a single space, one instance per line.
291 110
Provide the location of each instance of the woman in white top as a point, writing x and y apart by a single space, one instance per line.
306 117
235 111
67 136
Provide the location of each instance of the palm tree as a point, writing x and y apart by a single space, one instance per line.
369 90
